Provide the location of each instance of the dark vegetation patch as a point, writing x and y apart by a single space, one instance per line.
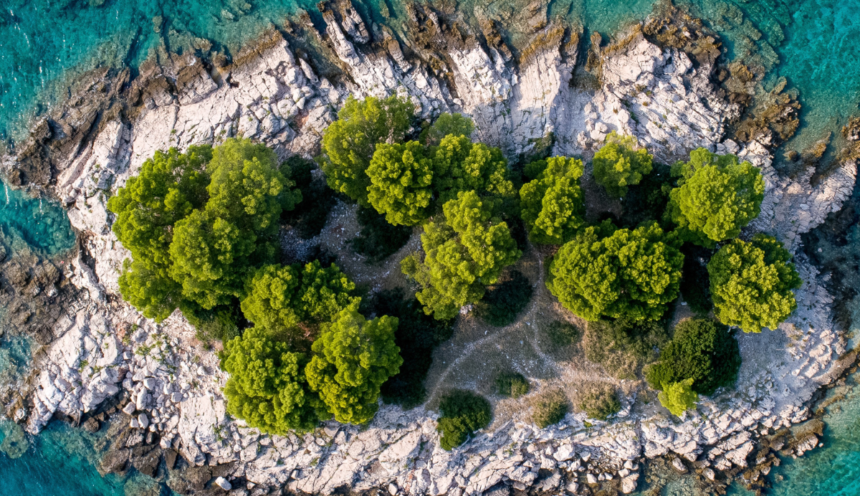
695 285
647 200
378 239
512 384
561 333
504 300
463 412
701 349
310 215
417 335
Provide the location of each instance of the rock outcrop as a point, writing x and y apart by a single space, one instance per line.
658 94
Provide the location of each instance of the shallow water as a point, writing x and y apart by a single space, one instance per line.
40 224
44 44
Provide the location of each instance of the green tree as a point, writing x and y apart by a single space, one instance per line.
618 164
447 124
552 204
462 255
353 357
214 249
752 283
633 274
292 298
702 350
463 412
461 166
167 189
401 176
716 197
678 397
267 386
349 143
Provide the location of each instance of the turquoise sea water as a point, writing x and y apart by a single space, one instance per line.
45 43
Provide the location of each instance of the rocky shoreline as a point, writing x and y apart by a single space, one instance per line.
661 81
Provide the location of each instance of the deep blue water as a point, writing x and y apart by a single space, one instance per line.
44 44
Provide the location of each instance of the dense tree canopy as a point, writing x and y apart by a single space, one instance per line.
702 350
168 188
552 204
716 197
283 298
461 166
267 386
215 248
678 397
618 164
461 255
196 223
752 283
349 142
353 357
632 274
401 178
447 124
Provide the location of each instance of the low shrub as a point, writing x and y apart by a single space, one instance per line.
417 336
624 346
549 408
463 412
218 324
378 239
504 300
561 333
512 384
599 401
702 350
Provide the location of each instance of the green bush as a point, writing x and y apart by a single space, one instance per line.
512 384
462 255
267 386
752 283
378 239
702 350
505 300
352 358
401 179
633 274
553 206
678 397
599 401
293 300
463 412
417 336
447 124
549 408
716 197
618 164
349 142
561 333
197 223
219 324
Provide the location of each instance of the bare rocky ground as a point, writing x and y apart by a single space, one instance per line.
657 83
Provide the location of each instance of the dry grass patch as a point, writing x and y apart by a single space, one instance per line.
549 408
